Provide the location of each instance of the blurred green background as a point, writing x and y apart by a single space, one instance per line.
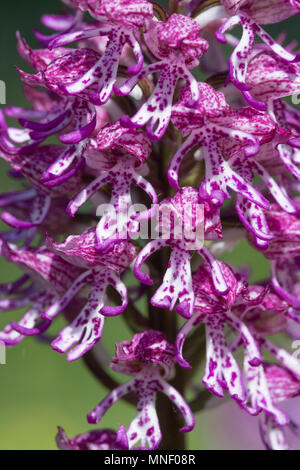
38 388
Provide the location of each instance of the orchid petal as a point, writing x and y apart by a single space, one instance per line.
120 287
181 337
180 403
221 371
176 285
259 395
60 304
147 251
218 278
285 358
83 196
177 158
251 346
145 426
99 411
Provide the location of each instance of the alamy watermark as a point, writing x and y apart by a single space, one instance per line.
295 99
124 221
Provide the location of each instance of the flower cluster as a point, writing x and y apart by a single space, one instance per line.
141 142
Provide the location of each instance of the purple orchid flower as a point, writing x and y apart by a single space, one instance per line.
99 270
283 251
268 317
74 115
120 21
271 315
282 386
241 310
286 142
184 220
258 397
250 16
262 324
149 358
32 163
46 277
72 260
254 217
124 152
217 129
215 311
179 46
70 159
102 439
270 78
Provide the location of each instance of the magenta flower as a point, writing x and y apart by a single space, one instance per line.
286 143
269 317
253 216
250 16
120 21
123 152
261 325
243 310
32 163
65 270
102 439
46 277
215 311
206 124
282 386
270 77
74 115
283 251
149 358
191 219
99 269
178 44
215 127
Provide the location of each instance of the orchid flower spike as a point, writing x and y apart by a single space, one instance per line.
184 221
100 270
120 21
